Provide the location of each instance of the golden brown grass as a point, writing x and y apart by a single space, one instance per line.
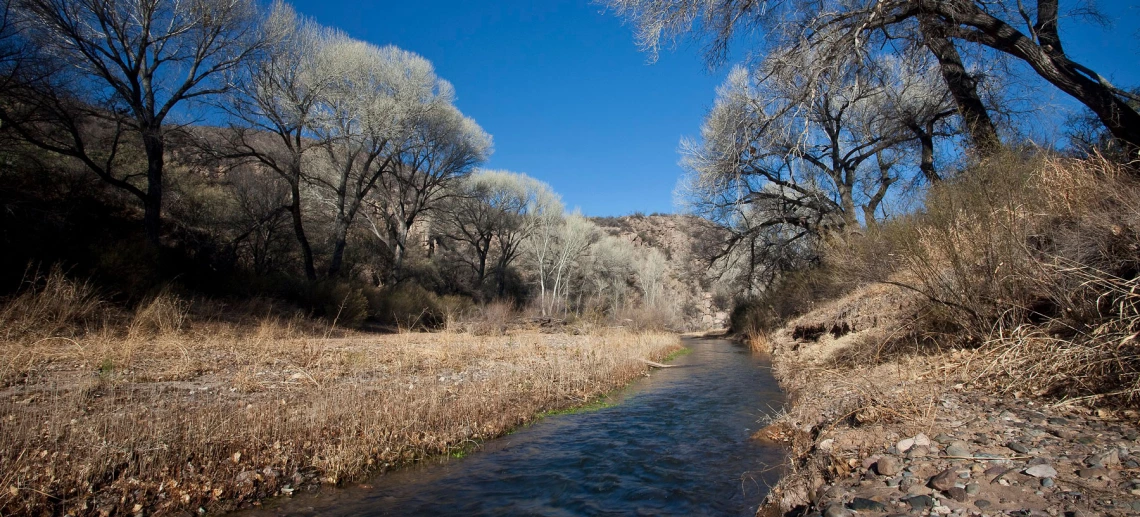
175 413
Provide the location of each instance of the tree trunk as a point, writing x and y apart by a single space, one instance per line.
963 87
152 204
340 241
299 230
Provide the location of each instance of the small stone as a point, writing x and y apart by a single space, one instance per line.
963 475
887 466
996 470
944 480
1132 436
1086 439
863 504
1017 447
982 504
892 482
1132 464
942 510
1104 459
920 502
958 449
973 488
1041 471
905 444
957 494
1056 420
921 440
1047 483
943 438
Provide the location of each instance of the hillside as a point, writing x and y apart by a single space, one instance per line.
691 282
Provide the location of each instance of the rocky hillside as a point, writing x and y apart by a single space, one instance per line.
681 238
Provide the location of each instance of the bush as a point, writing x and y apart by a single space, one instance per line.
408 306
1033 258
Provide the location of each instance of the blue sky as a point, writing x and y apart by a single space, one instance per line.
571 100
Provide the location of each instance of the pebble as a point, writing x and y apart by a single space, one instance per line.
920 502
863 504
959 449
982 504
944 480
1017 447
1047 483
887 466
973 489
1042 471
1056 420
957 494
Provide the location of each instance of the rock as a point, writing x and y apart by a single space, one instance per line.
958 449
920 502
1047 483
1086 439
905 444
1109 458
1093 472
973 488
1056 420
943 438
862 504
1018 448
826 445
870 461
836 510
944 480
1041 471
996 470
957 494
942 510
921 440
887 466
982 504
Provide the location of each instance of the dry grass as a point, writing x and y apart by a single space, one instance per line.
175 414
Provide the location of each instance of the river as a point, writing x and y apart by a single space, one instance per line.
673 443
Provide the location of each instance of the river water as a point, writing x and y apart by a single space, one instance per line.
674 443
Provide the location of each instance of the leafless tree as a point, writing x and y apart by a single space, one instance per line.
441 147
1026 31
275 106
131 65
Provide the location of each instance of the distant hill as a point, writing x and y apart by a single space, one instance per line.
681 238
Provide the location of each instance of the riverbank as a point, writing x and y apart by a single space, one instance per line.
211 417
877 430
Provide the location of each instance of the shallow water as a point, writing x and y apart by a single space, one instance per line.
675 443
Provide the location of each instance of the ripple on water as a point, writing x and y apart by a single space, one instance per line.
676 444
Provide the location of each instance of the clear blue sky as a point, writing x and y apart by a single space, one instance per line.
570 99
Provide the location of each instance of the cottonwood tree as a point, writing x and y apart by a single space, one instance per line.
276 108
488 215
609 270
1026 31
130 65
367 115
441 147
652 268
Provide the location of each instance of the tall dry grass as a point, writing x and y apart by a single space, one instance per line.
1034 261
179 412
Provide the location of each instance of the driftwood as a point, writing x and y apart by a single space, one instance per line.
657 365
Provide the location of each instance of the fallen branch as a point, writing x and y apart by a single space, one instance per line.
657 365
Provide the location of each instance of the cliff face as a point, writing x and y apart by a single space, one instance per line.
692 287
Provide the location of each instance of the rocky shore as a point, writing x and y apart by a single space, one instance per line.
915 434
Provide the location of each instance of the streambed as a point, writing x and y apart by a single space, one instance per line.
673 443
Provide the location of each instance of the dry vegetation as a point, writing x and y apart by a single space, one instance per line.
1017 281
176 406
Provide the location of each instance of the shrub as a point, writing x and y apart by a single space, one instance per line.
408 306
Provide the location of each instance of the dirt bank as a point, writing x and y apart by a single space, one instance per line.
879 430
211 417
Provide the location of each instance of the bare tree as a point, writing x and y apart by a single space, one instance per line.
442 146
366 116
488 214
275 109
835 29
134 63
